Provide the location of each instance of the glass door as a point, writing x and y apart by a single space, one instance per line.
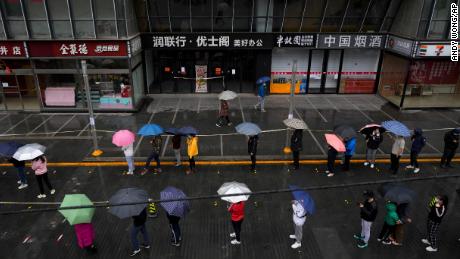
316 71
332 75
11 93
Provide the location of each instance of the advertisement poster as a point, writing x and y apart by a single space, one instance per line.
201 85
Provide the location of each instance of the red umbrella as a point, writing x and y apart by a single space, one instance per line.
335 142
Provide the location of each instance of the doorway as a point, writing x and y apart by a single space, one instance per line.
324 71
18 93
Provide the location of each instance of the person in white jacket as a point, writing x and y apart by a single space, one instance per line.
299 216
129 155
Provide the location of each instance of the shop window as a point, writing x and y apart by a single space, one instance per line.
359 71
281 75
393 75
61 90
111 91
55 64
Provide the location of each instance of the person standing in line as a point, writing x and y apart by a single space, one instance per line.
368 213
451 139
85 237
299 216
192 151
41 173
350 146
20 167
156 143
223 114
438 209
139 226
396 152
331 156
418 142
402 210
176 139
252 150
296 147
175 229
237 215
391 219
261 97
372 144
129 156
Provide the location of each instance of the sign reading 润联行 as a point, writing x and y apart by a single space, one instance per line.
294 40
341 41
206 40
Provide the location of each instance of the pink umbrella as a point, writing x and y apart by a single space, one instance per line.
123 138
335 142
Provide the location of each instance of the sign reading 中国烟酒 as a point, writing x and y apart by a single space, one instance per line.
294 40
208 40
77 48
344 41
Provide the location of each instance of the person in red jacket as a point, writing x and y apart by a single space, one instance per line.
237 212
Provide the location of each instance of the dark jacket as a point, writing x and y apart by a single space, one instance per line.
369 211
373 141
140 219
156 144
403 211
436 214
296 140
252 144
16 163
331 155
418 141
176 141
223 108
451 140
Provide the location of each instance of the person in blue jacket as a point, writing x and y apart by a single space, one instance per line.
261 97
350 146
418 142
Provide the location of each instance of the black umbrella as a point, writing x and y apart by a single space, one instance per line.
369 128
346 132
138 197
397 193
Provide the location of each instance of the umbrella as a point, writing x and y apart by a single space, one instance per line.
187 130
29 152
175 208
172 131
227 95
396 128
248 129
304 198
123 138
295 123
263 80
150 130
397 193
77 216
335 142
128 195
7 149
234 188
369 128
345 131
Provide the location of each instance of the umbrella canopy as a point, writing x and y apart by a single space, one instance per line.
295 123
248 129
123 138
304 198
369 128
227 95
396 128
29 152
263 80
335 142
175 208
346 132
234 188
397 193
187 130
128 195
7 149
172 131
150 130
77 216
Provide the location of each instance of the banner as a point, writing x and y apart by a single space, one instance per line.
201 85
79 48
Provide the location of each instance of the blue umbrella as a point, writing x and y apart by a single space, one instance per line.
263 80
396 128
7 149
304 198
174 208
187 130
172 131
248 129
150 130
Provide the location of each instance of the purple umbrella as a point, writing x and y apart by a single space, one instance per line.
174 208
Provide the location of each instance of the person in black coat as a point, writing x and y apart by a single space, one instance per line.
252 150
438 209
296 147
368 213
373 141
139 226
418 142
450 147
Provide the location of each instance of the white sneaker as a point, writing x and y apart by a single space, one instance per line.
292 236
22 186
410 167
431 249
232 234
330 174
263 110
426 242
416 170
41 196
296 245
52 191
372 165
130 173
255 107
178 164
19 182
366 163
235 242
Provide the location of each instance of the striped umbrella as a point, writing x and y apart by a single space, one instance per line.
396 128
174 208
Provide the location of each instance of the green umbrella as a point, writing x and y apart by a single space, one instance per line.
77 216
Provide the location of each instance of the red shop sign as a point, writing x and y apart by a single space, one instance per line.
77 49
12 49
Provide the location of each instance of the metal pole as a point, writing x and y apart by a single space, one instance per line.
92 121
293 83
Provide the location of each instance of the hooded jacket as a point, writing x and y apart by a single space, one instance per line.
451 139
252 144
392 217
350 146
296 140
192 146
369 211
418 141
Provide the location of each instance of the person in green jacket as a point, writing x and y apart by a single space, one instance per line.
389 224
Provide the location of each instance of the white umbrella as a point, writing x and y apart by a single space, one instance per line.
29 152
227 95
234 188
295 123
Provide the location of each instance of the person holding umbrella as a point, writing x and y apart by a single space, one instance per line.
223 114
350 146
438 209
41 173
20 167
368 213
252 150
237 215
261 97
125 139
418 142
176 139
451 139
175 210
139 226
156 143
302 205
396 152
192 151
391 219
373 141
128 151
335 145
296 147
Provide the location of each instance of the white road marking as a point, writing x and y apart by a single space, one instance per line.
241 108
86 127
15 125
446 117
314 107
311 133
358 109
199 105
165 146
63 125
177 109
221 146
332 104
41 124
